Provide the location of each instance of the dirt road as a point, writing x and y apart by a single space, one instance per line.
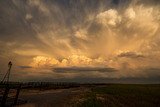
51 98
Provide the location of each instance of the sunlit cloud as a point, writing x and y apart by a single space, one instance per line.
43 35
109 18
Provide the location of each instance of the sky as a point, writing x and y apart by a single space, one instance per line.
81 40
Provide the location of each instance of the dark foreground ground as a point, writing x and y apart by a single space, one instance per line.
111 95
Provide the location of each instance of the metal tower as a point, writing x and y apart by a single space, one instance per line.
7 75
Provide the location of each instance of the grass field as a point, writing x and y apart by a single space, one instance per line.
118 95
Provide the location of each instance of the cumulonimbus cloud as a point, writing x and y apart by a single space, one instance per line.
113 33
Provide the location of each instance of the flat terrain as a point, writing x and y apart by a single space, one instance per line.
111 95
51 98
123 96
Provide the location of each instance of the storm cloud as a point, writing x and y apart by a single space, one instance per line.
83 69
130 55
93 35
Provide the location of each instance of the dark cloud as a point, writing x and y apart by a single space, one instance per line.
152 72
83 69
149 2
131 55
24 67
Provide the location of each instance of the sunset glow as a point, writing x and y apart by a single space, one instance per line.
39 36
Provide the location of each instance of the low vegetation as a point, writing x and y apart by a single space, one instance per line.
116 95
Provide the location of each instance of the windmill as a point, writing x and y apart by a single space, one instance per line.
7 75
